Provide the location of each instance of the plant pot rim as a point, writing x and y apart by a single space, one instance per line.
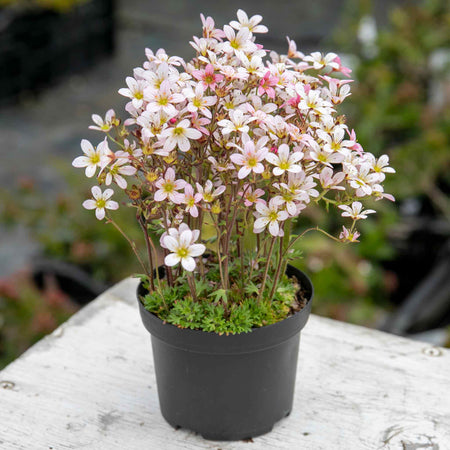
259 338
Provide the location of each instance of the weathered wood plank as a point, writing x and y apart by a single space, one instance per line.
91 385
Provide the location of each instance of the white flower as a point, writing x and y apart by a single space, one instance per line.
135 91
355 211
197 101
284 160
103 125
208 192
330 181
250 159
240 42
162 99
238 122
93 157
168 187
319 60
269 215
182 250
179 136
119 168
100 202
251 24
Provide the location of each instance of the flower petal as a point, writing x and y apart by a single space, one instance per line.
172 259
188 263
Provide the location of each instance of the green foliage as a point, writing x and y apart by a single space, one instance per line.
67 232
27 315
216 312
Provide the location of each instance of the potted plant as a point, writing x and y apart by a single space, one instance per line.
219 157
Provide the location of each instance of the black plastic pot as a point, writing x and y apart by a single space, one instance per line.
227 387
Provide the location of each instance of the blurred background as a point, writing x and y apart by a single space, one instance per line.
63 60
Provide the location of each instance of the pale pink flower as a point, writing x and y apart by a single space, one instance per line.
318 153
209 29
250 159
179 136
168 187
118 168
355 211
292 199
191 199
380 165
349 236
284 160
103 125
198 123
266 83
311 99
197 100
208 192
163 72
328 181
251 196
334 141
240 42
238 122
363 180
135 91
356 147
100 202
251 24
269 215
207 76
163 99
183 250
93 158
292 50
175 232
301 186
379 194
319 60
161 57
346 71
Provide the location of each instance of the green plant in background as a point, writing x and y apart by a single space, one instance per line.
27 314
400 105
65 233
401 98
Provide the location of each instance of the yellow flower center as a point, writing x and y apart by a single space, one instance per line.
234 44
197 102
101 203
178 131
169 187
138 95
273 215
95 158
284 165
163 101
182 252
252 161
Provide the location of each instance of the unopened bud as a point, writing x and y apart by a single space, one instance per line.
215 208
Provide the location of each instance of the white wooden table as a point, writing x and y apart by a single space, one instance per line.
91 385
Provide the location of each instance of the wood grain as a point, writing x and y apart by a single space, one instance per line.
91 385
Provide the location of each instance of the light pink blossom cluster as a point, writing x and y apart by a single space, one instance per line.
237 138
